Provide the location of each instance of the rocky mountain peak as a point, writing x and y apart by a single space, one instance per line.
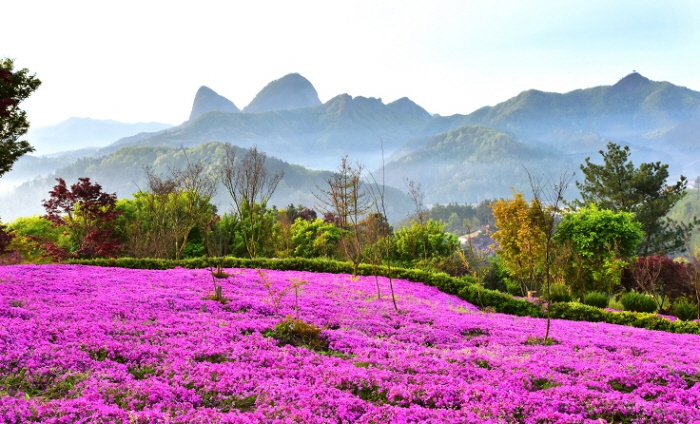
631 82
292 91
405 106
207 100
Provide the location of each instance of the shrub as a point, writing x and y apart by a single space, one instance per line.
559 293
450 265
575 311
637 302
500 302
514 289
496 276
685 311
597 299
295 332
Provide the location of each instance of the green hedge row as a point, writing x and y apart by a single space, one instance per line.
464 287
574 311
499 302
442 281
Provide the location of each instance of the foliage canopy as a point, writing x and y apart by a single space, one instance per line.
621 187
15 86
599 242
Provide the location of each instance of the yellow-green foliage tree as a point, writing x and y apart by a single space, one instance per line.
30 233
159 222
424 245
317 238
521 238
159 225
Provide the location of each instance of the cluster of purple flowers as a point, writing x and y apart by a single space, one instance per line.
102 345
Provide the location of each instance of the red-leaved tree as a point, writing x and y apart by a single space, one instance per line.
88 215
5 239
659 276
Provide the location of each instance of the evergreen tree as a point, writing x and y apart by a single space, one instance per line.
621 187
15 86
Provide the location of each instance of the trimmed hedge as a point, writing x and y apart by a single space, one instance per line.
685 311
500 302
597 299
574 311
638 302
465 287
442 281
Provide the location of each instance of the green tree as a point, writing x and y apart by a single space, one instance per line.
263 228
424 242
345 199
619 186
15 87
317 238
144 225
600 242
160 224
250 186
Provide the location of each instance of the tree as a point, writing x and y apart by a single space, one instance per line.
618 186
693 267
384 246
159 222
31 235
521 238
189 206
601 241
659 276
547 196
312 239
284 246
5 239
424 242
88 214
345 198
250 186
15 87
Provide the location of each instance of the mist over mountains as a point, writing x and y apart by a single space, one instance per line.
84 133
459 158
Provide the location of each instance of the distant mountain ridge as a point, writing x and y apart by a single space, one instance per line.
458 158
314 137
470 164
123 172
633 105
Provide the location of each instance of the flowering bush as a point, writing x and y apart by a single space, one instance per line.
99 345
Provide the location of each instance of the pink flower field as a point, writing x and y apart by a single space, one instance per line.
83 344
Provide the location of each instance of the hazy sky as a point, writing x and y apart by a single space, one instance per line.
143 61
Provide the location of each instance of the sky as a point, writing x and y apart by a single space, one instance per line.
143 61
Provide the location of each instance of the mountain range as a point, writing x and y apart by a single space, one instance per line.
459 158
